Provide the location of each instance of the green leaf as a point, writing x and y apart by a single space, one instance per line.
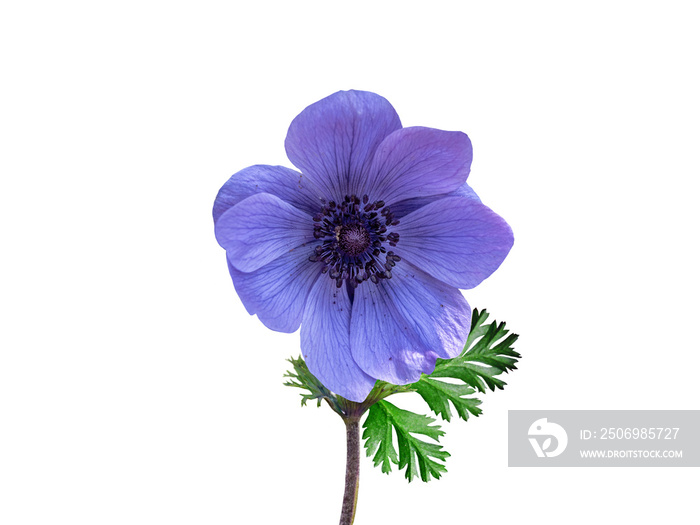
439 394
303 378
379 435
487 354
416 456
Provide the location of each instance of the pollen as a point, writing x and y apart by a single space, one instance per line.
354 236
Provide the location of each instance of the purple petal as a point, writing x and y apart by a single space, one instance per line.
401 325
459 241
401 208
325 341
288 185
260 229
417 162
277 292
333 141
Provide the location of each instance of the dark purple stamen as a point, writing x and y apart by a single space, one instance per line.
354 235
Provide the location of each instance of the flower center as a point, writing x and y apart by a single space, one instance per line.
354 234
353 239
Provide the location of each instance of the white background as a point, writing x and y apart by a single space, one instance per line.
134 387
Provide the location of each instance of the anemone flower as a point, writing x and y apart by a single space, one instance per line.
366 246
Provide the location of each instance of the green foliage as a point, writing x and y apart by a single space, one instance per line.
380 437
304 379
487 354
415 455
439 394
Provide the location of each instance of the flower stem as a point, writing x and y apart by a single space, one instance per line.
352 470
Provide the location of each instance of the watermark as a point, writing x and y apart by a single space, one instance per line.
542 427
604 438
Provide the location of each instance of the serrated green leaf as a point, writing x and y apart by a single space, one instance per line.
379 435
303 378
416 456
487 354
439 395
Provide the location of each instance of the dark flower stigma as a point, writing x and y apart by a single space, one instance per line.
354 235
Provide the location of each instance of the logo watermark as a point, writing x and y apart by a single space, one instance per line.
609 438
542 427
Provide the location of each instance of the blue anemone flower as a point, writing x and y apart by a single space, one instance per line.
366 246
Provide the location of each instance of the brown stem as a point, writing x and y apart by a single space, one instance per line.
352 470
